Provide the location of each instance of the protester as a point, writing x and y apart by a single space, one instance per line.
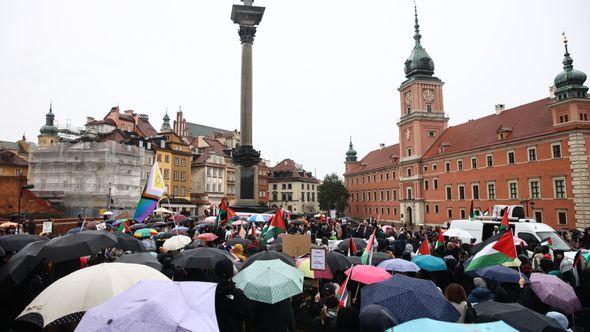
481 292
456 295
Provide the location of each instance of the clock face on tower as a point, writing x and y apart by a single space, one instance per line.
408 97
428 95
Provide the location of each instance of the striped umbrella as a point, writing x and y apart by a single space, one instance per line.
145 232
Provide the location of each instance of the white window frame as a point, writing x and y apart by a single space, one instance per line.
471 161
425 184
531 188
435 180
434 167
510 189
508 157
459 192
450 215
459 164
492 156
540 211
488 190
555 187
560 150
436 209
557 212
473 185
462 213
530 148
447 187
447 166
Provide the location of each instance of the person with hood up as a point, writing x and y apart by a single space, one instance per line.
232 307
326 321
480 293
560 318
376 318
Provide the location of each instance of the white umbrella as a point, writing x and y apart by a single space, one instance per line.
108 213
162 210
460 233
87 288
177 242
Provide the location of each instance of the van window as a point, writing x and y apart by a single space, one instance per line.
518 212
530 239
487 231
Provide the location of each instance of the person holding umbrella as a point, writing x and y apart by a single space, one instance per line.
232 307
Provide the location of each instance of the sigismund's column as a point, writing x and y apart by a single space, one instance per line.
244 156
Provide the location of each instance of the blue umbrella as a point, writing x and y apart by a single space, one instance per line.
258 218
117 222
409 298
424 324
399 265
430 263
180 228
500 273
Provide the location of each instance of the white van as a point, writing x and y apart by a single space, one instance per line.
534 233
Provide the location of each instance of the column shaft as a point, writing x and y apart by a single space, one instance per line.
246 95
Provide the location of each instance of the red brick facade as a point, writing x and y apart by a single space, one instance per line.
35 206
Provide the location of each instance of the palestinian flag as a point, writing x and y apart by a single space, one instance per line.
440 242
352 247
424 248
548 243
487 212
494 252
342 294
123 227
471 212
275 227
505 224
367 257
225 213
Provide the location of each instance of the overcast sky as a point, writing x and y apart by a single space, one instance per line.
323 70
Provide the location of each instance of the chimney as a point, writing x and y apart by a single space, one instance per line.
499 108
381 146
89 119
144 117
129 112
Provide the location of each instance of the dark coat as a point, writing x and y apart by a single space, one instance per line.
232 307
276 317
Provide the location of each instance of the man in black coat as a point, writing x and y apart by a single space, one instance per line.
232 307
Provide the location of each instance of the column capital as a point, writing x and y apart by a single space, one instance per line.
247 34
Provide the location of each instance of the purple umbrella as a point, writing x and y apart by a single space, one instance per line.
555 293
156 304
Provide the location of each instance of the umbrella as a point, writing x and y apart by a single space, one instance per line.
269 255
138 226
379 257
269 281
156 305
2 252
460 233
91 224
117 222
354 260
128 242
513 314
201 258
360 244
16 242
554 292
178 217
430 263
239 223
71 246
162 210
258 218
145 232
427 324
367 274
20 265
208 220
244 242
500 273
177 242
337 261
180 228
399 265
87 288
207 236
8 224
409 298
108 213
303 266
164 235
160 223
144 258
75 230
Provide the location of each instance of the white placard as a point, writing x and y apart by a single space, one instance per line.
333 214
47 227
101 226
318 259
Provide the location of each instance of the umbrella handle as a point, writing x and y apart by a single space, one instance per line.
356 293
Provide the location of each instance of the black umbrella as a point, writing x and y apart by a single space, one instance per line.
355 260
379 257
2 252
201 258
16 242
244 242
337 262
513 314
360 244
144 258
128 242
76 245
20 265
164 236
276 244
268 255
138 226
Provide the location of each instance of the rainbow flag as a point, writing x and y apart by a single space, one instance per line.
153 191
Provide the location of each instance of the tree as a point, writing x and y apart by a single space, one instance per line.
332 194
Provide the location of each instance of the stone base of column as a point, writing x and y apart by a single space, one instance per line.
247 186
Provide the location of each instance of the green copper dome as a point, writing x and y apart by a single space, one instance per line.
570 82
419 63
49 128
351 153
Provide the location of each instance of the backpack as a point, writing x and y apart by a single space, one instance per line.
470 313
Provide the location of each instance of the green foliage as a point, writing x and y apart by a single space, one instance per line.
332 194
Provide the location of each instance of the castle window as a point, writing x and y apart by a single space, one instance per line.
409 152
556 148
429 108
409 172
532 154
510 157
431 133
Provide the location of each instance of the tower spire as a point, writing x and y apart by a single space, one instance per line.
567 60
570 82
417 35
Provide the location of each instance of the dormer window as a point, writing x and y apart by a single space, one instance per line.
501 136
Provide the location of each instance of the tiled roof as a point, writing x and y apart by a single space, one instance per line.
196 130
288 169
216 145
379 158
524 121
9 158
146 128
9 145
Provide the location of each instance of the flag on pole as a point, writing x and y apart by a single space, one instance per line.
440 242
367 257
275 227
495 251
342 294
153 191
487 212
123 227
548 242
352 247
471 212
505 224
424 248
225 213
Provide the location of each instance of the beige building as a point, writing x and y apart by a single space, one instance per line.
293 188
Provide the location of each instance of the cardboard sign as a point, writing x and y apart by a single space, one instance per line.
318 259
47 227
296 245
101 226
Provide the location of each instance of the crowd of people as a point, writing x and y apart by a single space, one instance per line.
319 307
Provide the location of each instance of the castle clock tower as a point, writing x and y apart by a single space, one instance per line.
422 120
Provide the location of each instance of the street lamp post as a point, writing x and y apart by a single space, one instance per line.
526 202
20 195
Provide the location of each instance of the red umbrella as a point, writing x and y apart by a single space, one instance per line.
207 236
367 274
178 217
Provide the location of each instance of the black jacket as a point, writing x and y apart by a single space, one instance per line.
232 307
276 317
